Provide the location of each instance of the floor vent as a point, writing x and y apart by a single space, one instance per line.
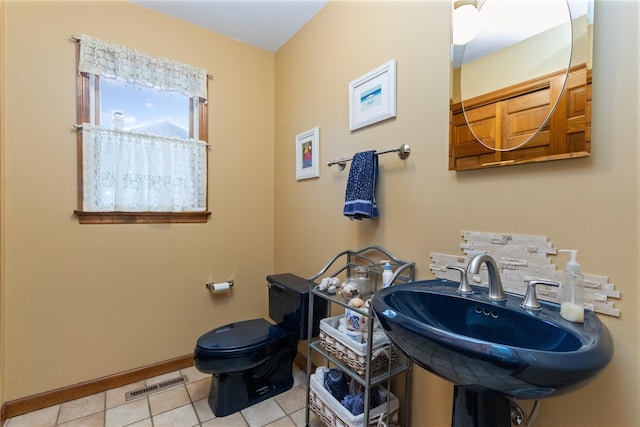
173 382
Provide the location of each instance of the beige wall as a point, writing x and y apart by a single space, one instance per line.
2 188
526 60
590 204
84 301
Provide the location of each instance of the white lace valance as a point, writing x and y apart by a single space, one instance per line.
113 61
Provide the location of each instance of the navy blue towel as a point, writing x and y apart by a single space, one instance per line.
360 201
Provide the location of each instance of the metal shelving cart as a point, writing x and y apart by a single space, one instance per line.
363 371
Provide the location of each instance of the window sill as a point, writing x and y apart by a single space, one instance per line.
141 217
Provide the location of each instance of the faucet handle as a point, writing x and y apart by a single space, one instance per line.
464 287
531 298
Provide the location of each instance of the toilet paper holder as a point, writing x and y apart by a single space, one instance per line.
220 286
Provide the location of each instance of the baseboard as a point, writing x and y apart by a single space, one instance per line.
65 394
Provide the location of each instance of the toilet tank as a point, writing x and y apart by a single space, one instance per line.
289 304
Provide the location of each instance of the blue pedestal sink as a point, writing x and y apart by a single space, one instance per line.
492 348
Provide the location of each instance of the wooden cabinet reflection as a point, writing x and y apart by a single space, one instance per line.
505 119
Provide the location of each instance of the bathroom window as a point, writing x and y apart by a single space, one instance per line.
142 139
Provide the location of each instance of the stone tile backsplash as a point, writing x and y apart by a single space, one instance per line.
522 258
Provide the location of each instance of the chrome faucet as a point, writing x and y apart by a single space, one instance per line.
464 287
530 301
496 292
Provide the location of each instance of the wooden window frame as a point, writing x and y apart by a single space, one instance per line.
83 98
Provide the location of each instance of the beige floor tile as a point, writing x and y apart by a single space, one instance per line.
203 410
184 416
263 413
298 418
317 422
183 405
116 396
193 374
299 376
233 420
282 422
142 423
93 420
128 413
82 407
199 389
46 417
169 399
292 399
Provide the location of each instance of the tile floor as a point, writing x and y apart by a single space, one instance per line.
182 406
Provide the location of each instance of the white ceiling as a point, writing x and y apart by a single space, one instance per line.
267 24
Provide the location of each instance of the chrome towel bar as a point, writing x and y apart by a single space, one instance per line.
403 151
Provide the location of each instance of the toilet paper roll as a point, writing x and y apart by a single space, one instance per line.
219 287
224 286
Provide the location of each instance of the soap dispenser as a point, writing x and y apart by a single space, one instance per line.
571 306
387 274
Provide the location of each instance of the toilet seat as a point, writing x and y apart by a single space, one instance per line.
239 338
238 346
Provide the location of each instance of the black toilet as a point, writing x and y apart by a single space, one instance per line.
252 360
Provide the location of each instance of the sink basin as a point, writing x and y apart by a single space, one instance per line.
492 346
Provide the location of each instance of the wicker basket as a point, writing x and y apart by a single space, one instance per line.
333 414
351 352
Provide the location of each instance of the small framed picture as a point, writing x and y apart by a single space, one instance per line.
372 97
307 154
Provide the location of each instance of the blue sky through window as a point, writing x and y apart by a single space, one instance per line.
137 106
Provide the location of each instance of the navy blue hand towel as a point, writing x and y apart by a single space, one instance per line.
360 201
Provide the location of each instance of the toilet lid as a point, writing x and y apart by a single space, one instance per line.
240 337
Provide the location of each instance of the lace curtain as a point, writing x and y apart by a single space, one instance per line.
126 171
131 172
111 61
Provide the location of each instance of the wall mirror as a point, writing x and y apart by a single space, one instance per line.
520 82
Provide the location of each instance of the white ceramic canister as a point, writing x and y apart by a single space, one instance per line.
355 320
